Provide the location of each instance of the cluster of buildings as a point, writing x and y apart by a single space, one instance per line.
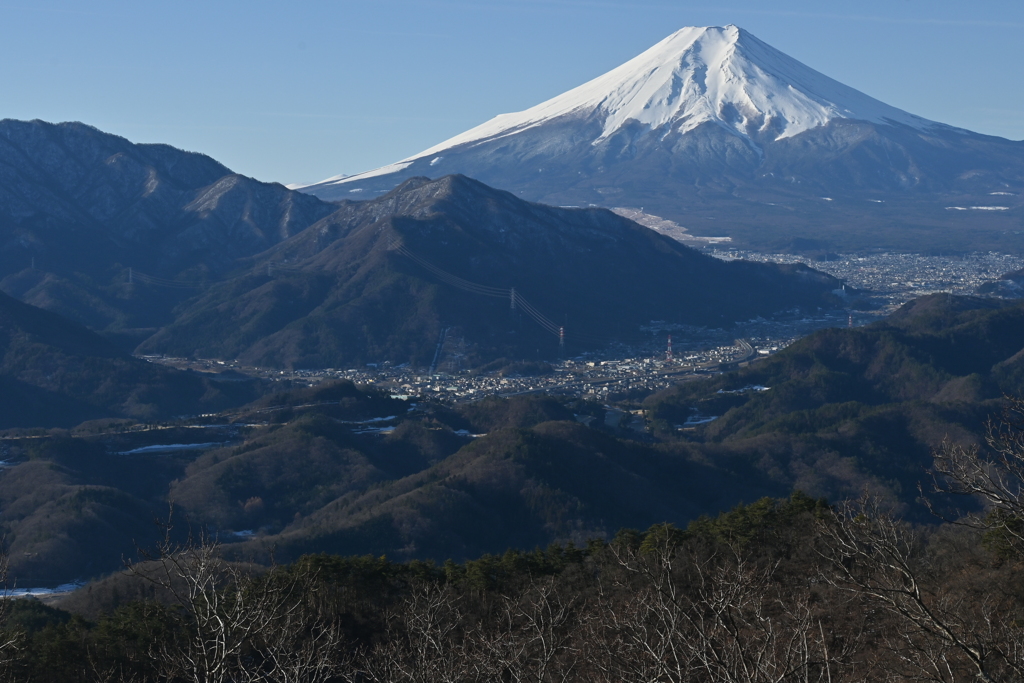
592 376
625 371
894 278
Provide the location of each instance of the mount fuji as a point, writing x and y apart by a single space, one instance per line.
715 129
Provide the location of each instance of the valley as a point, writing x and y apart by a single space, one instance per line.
320 461
396 368
601 374
888 280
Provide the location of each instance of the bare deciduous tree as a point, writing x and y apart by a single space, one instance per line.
941 629
236 626
714 617
534 638
424 642
299 645
11 641
994 477
221 609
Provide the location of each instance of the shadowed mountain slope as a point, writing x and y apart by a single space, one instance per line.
426 489
84 206
380 280
523 488
72 507
56 373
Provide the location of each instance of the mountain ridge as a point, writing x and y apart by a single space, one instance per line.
379 280
86 216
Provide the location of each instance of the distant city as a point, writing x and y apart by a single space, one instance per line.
895 278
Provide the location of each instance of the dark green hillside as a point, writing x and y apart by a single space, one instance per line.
423 488
72 505
69 509
266 482
864 407
321 444
379 280
495 413
76 504
347 468
519 488
54 372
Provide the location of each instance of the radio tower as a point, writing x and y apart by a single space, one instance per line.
668 351
849 320
561 342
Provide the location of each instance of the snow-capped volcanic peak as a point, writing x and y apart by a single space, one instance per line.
699 75
719 76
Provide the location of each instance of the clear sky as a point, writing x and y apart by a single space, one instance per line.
299 91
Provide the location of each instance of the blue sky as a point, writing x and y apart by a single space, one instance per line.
296 92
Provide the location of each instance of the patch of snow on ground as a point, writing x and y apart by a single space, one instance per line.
375 430
743 390
25 592
694 420
372 420
664 226
171 447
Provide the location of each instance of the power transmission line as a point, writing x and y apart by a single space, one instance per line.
517 299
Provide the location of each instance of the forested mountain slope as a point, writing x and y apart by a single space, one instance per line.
57 373
379 280
848 408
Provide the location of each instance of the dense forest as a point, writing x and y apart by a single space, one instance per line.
779 590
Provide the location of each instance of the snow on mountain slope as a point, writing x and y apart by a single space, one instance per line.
696 75
724 76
